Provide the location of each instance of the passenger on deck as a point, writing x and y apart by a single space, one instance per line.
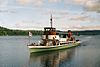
70 36
54 41
45 42
32 44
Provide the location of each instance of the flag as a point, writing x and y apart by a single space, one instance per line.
30 34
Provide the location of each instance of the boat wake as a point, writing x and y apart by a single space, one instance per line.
85 40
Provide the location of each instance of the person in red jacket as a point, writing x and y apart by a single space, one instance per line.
70 36
69 33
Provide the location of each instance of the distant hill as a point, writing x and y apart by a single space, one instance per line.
3 28
10 32
87 32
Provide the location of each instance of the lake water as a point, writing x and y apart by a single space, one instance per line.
14 53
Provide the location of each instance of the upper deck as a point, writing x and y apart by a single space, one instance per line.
49 31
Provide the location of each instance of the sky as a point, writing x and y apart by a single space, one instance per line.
35 14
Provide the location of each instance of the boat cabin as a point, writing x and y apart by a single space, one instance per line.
62 37
50 33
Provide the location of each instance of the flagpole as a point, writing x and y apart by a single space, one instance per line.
30 35
29 39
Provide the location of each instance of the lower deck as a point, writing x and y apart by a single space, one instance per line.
51 48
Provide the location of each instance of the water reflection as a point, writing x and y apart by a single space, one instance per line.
51 59
15 53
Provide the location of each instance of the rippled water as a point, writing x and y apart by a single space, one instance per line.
14 53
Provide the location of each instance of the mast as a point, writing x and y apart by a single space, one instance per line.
51 20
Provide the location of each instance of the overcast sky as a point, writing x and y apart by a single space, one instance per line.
35 14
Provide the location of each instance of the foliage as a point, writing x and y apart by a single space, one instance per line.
6 32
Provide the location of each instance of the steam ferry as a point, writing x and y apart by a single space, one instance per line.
51 40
